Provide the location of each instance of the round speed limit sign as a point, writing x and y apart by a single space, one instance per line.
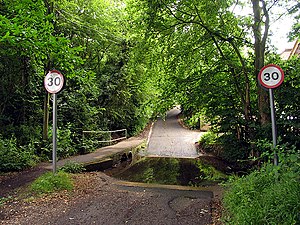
54 81
271 76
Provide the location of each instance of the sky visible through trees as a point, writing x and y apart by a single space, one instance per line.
280 27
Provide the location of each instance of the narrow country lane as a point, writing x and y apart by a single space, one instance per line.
169 139
100 199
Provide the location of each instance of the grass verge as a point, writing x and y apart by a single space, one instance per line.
49 183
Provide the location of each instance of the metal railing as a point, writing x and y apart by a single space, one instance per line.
108 137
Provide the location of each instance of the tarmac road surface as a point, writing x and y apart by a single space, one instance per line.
169 139
102 200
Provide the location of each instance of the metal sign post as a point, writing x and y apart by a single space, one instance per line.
274 130
270 77
54 133
54 82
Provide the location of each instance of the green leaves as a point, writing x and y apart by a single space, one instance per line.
86 41
14 157
125 62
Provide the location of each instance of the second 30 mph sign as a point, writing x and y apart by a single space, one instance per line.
271 76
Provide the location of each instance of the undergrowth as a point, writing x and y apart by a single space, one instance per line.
14 157
50 182
73 167
270 195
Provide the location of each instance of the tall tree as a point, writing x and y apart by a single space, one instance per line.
294 10
264 14
200 52
260 30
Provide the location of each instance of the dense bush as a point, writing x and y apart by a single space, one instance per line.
225 146
233 149
287 98
270 195
14 157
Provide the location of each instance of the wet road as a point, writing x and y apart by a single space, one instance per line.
169 139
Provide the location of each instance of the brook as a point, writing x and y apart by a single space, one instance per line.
173 171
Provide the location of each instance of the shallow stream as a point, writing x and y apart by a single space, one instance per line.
172 171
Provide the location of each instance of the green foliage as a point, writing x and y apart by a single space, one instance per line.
268 196
226 146
197 49
124 62
14 157
294 10
72 167
50 182
287 98
65 145
208 138
233 149
209 142
193 122
28 50
106 87
211 78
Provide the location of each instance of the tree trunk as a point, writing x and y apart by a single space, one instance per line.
259 52
46 117
47 67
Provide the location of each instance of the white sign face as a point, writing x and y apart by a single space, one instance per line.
54 81
271 76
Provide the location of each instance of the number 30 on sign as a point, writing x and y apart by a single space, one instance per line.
54 81
271 76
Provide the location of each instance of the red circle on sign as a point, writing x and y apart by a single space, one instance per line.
271 76
54 81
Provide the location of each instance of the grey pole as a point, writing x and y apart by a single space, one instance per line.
274 131
54 132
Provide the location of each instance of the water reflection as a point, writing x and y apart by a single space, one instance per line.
174 171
